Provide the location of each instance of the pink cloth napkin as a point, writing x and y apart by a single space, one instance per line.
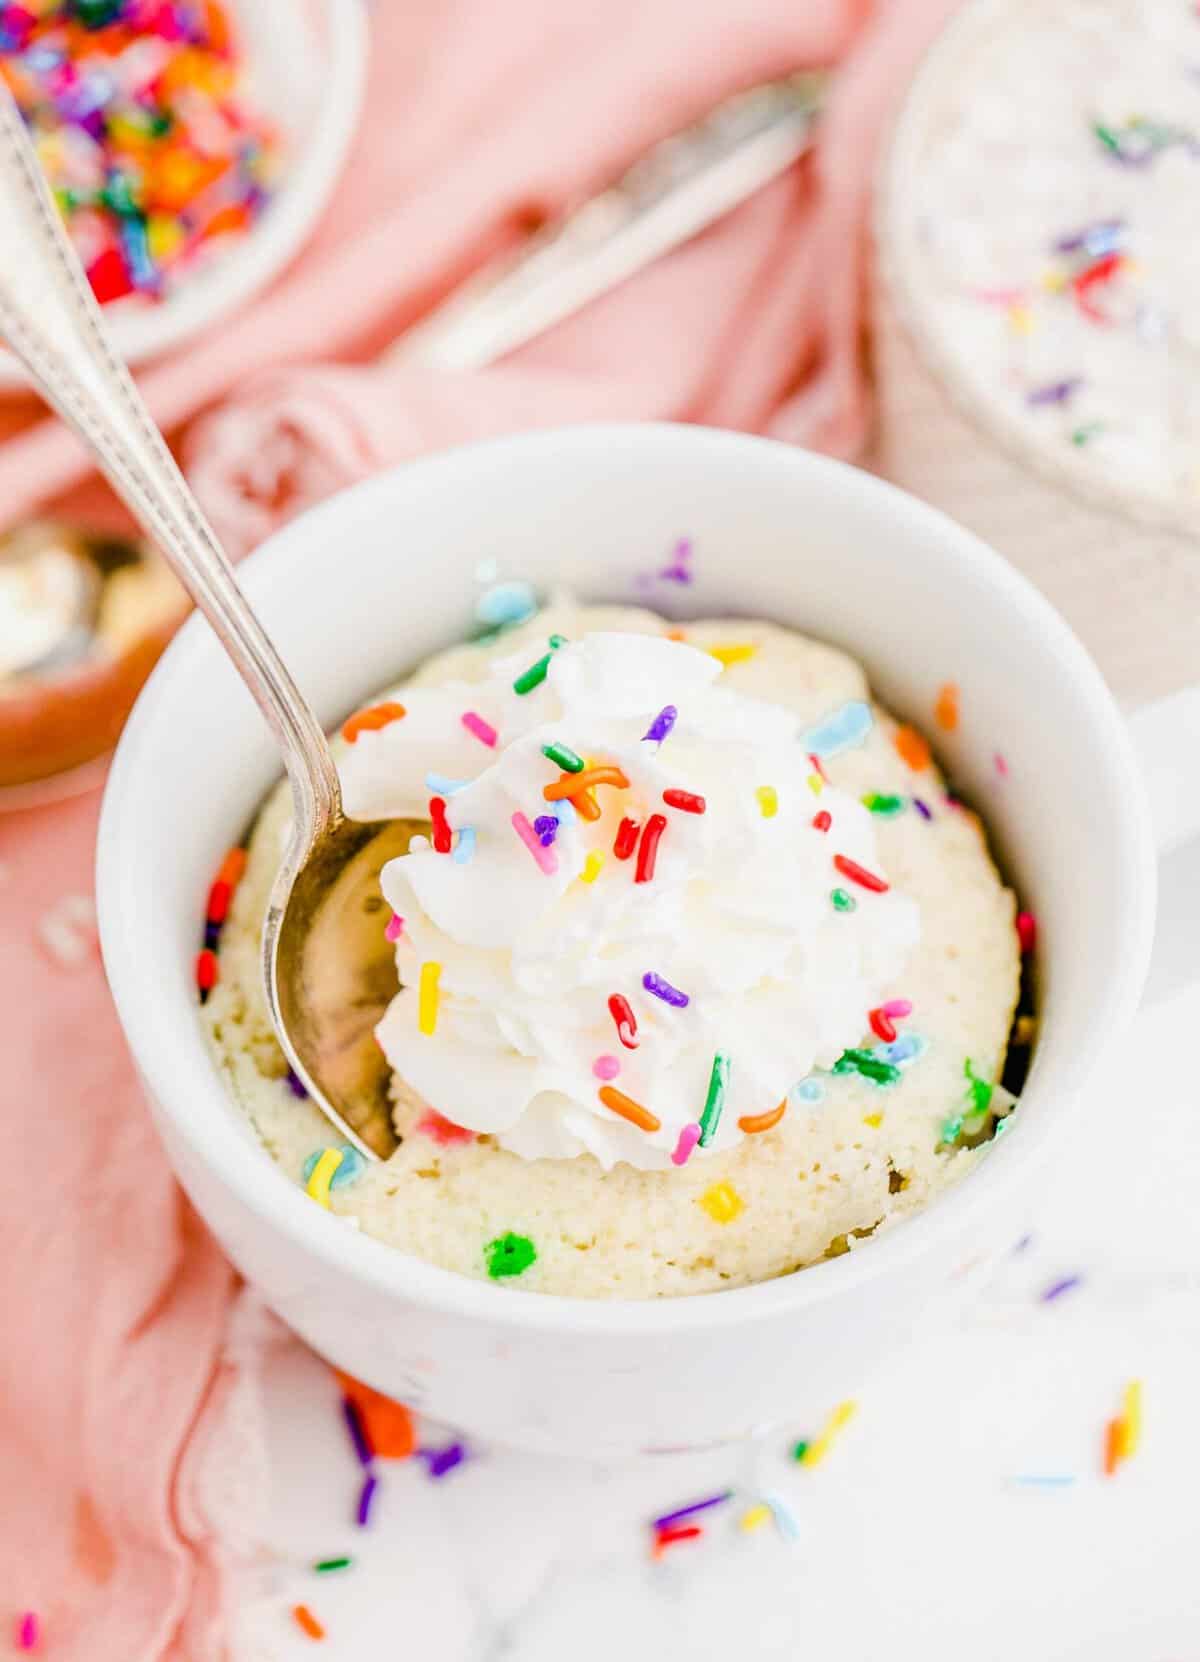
128 1452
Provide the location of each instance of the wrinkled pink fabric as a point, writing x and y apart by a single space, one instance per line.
127 1443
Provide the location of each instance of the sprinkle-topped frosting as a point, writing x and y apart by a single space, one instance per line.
708 949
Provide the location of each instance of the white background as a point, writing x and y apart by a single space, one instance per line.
914 1540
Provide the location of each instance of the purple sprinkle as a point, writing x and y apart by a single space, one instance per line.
1057 1288
366 1496
1102 230
663 989
1057 392
678 570
922 809
661 726
1023 1244
358 1432
296 1084
669 1518
443 1460
546 827
212 936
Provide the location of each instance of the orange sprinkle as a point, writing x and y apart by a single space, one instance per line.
371 720
912 748
232 867
388 1424
750 1123
573 784
629 1109
306 1620
945 711
676 635
1112 1446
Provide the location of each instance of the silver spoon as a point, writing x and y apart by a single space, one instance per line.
327 969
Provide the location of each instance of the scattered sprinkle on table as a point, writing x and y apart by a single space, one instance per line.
669 1537
670 1519
509 1254
1056 1289
754 1518
307 1622
837 1421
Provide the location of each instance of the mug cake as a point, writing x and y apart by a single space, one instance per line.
704 975
1036 319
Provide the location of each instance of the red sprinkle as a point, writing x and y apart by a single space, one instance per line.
684 1532
1102 270
1026 931
442 835
648 848
442 1130
817 768
218 902
622 1014
860 875
206 973
882 1026
626 838
686 801
822 821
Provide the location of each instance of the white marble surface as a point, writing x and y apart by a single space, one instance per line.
913 1540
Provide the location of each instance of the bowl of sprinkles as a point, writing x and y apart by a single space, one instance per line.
190 144
1038 325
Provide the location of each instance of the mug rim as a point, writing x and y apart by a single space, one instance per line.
197 1107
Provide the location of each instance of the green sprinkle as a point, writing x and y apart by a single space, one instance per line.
862 1061
324 1565
714 1105
981 1089
1081 435
951 1129
843 902
509 1255
800 1450
536 673
564 757
1107 137
888 806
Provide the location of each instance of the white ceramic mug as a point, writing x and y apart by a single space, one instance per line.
373 581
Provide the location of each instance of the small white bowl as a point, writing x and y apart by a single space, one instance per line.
372 582
306 68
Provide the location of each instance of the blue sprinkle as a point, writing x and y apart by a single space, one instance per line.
785 1521
464 848
137 253
844 729
441 786
904 1049
351 1167
566 811
506 604
809 1090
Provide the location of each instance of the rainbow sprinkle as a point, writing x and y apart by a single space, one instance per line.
482 730
655 983
317 1187
509 1255
768 801
686 1144
545 857
428 993
714 1104
722 1202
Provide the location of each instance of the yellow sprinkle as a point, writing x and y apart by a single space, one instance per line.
1054 279
1130 1433
722 1202
1020 320
875 1120
739 654
427 997
754 1518
164 237
319 1178
816 784
841 1416
592 865
768 800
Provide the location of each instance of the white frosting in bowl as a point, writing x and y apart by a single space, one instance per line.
519 1039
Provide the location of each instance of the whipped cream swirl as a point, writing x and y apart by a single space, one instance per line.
737 916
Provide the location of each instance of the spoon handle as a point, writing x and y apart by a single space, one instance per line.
50 319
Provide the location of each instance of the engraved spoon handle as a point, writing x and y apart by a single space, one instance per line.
50 319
